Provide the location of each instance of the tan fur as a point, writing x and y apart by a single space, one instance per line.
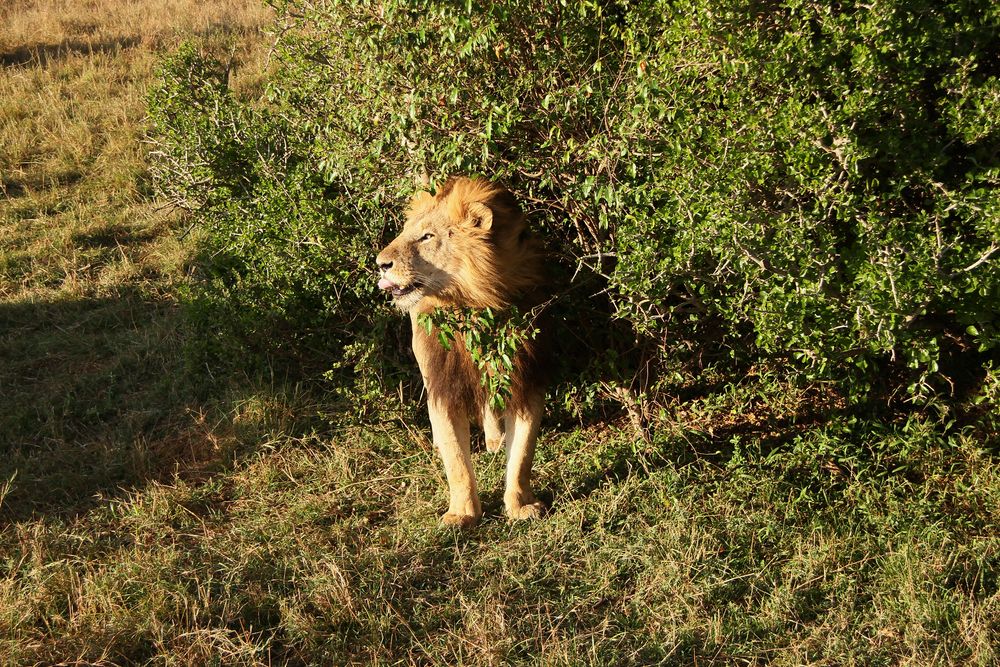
467 246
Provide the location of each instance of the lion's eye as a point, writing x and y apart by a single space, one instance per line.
426 237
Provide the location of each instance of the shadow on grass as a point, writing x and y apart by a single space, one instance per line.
113 236
95 400
709 438
41 55
14 188
45 54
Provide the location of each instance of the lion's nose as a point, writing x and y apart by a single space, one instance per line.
385 266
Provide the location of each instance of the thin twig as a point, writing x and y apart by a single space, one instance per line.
984 258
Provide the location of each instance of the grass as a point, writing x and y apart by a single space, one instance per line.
151 518
89 328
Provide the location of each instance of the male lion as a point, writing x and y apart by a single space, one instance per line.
467 246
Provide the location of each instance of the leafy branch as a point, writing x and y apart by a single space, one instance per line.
491 338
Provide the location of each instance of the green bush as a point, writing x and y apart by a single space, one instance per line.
813 181
810 183
285 272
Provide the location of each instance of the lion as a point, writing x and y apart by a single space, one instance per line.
468 246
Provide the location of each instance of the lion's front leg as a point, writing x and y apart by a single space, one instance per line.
522 432
451 437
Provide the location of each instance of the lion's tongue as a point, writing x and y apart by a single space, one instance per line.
385 283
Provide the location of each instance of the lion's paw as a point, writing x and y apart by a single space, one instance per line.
459 520
517 511
494 444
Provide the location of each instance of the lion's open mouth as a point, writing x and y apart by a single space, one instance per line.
397 291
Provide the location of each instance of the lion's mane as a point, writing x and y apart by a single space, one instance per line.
500 266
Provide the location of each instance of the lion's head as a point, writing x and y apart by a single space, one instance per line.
464 246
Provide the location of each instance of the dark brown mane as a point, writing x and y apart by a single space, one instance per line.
457 381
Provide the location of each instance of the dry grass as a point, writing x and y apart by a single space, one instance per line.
72 160
89 265
35 33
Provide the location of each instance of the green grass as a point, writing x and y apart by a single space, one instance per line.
324 549
155 515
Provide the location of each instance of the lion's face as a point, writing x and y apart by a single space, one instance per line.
461 247
421 261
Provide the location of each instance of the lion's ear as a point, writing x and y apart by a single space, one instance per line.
479 215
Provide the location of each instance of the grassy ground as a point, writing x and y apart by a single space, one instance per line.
147 522
89 333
